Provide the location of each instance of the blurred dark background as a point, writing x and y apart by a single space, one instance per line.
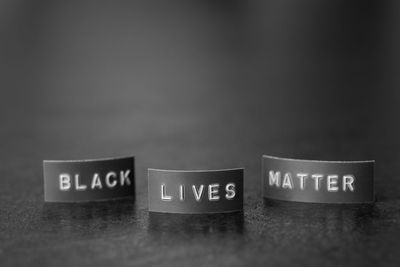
190 85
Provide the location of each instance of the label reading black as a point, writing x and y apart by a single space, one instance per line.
88 180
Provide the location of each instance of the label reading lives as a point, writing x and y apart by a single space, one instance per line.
195 191
87 180
318 181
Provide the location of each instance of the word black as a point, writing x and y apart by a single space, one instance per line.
111 179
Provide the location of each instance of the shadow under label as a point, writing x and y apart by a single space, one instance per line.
87 218
328 218
196 223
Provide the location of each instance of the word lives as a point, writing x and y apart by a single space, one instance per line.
213 192
110 180
330 182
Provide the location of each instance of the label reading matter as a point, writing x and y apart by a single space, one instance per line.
88 180
318 181
202 191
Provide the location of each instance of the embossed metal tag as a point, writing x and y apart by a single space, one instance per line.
318 181
202 191
88 180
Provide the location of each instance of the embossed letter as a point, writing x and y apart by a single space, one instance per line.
164 196
230 191
331 183
65 182
212 192
348 182
274 178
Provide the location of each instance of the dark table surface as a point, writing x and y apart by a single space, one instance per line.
190 86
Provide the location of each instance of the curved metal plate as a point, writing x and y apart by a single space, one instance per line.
203 191
318 181
88 180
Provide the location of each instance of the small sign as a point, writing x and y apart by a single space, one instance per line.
202 191
318 181
88 180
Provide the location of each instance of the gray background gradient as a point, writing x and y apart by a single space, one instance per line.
192 85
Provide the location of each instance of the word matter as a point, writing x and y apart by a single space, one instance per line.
87 180
318 181
286 181
195 191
